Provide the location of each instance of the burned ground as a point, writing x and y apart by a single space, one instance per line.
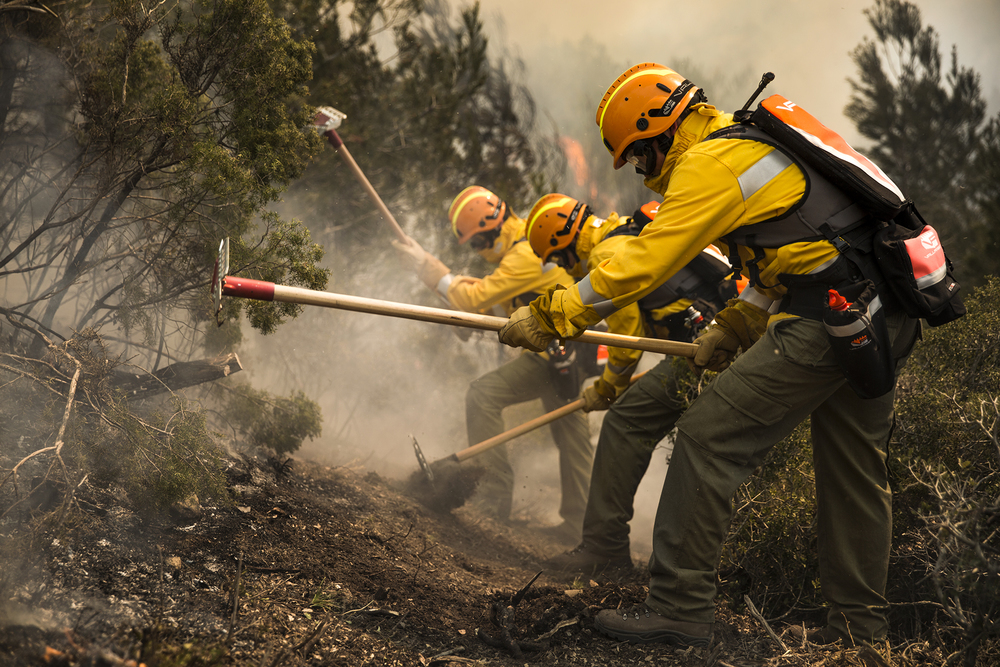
330 566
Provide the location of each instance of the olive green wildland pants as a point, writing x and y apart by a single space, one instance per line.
524 379
632 428
788 375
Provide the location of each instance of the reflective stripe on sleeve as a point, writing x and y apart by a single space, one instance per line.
589 297
757 176
755 298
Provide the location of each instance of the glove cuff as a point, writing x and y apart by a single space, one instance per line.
749 309
606 389
743 321
540 311
432 270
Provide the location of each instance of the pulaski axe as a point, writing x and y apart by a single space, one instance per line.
451 484
326 122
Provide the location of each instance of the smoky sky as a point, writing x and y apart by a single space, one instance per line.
806 43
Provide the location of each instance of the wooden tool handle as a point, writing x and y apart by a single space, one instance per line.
338 144
265 291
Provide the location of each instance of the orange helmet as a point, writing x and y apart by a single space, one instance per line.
476 210
553 223
644 102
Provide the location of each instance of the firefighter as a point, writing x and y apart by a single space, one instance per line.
486 223
714 190
565 232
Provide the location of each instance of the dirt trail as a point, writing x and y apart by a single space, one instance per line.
334 567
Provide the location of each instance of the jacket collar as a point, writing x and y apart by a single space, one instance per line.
701 122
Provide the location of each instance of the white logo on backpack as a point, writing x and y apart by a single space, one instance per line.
929 240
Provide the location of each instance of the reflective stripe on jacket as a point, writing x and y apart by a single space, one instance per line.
593 248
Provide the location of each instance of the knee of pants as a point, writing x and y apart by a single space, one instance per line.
479 398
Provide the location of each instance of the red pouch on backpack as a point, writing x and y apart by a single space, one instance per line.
917 270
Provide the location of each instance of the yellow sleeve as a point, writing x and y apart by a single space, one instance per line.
627 321
703 202
520 271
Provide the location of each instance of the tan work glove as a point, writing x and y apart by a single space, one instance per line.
428 268
523 330
737 326
606 389
410 252
598 396
716 348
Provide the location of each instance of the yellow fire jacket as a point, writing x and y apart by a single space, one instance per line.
520 273
593 248
709 189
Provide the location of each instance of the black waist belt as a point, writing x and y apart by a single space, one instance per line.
809 301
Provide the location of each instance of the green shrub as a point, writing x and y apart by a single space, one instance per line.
273 423
947 460
156 457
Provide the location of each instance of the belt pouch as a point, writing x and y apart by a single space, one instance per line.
859 337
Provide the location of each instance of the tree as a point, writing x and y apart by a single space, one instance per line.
429 112
133 138
170 128
985 187
927 125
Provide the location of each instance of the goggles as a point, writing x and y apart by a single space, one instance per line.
640 154
484 240
564 258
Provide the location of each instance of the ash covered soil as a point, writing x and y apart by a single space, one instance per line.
312 565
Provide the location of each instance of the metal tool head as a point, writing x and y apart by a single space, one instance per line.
421 460
327 119
514 601
218 275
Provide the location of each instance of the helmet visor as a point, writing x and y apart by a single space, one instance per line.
641 156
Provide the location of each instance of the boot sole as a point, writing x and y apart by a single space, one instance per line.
657 636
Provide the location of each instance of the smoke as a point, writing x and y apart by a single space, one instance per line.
380 379
584 44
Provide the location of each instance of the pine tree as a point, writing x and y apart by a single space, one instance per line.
927 125
429 112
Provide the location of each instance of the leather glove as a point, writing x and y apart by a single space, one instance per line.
523 330
429 268
598 396
606 389
410 252
737 326
716 348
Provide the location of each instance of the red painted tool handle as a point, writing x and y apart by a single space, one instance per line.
265 291
248 288
334 139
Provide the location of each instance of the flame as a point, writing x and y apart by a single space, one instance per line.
578 164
